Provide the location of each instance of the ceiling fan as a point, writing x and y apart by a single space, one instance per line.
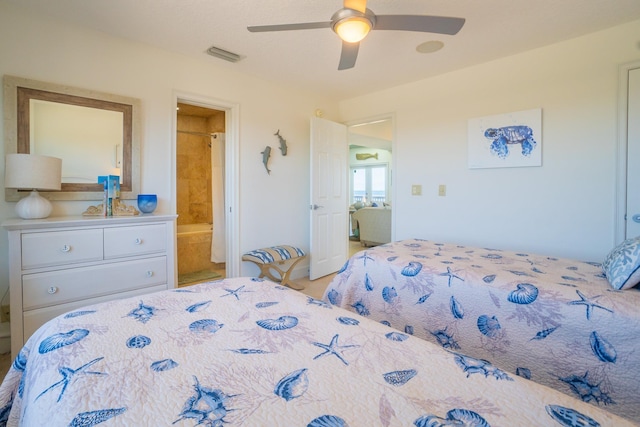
354 21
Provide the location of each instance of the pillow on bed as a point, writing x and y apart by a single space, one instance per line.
622 265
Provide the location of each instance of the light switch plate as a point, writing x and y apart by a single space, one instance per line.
416 190
442 190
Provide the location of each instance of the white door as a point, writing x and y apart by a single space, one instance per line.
633 155
329 201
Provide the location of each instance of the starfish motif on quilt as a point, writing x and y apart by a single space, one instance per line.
333 348
451 275
69 375
590 303
365 256
235 292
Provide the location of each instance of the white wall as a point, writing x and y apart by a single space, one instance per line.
564 208
273 208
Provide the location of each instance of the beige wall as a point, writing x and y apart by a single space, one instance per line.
53 51
565 207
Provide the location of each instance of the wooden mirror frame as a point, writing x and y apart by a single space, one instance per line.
17 94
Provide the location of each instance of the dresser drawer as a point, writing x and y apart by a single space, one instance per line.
33 319
63 286
136 240
61 247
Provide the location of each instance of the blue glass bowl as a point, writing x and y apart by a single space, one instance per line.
147 202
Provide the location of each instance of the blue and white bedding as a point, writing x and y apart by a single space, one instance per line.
554 321
248 352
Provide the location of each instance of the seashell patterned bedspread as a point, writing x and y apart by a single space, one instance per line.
248 352
553 321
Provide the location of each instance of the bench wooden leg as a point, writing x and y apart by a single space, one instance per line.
265 271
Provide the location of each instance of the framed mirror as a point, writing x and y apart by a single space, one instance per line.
94 134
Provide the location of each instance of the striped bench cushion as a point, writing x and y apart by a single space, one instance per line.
273 254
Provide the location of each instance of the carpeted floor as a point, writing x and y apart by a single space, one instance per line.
316 288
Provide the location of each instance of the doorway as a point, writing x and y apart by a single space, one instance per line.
231 172
627 218
329 192
200 146
370 168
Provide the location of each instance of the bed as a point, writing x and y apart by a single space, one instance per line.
249 352
554 321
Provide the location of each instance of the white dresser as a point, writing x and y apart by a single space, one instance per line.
60 264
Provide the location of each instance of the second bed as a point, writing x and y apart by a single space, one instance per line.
554 321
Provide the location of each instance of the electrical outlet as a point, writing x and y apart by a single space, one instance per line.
416 190
442 190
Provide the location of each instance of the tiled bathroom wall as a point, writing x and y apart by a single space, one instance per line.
194 206
194 166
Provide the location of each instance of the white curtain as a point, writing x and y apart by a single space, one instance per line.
218 240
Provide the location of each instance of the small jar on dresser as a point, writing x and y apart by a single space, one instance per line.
60 264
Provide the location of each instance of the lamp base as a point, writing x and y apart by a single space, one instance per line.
34 206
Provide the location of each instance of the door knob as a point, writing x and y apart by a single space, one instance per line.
636 218
316 207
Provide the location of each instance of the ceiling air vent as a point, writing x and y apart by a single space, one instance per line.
223 54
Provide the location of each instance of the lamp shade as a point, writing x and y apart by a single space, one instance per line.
32 172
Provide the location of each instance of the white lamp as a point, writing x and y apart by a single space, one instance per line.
32 172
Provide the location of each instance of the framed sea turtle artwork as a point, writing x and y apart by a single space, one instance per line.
506 140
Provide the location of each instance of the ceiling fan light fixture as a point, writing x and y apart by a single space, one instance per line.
352 25
352 29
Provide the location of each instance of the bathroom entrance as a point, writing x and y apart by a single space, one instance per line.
200 160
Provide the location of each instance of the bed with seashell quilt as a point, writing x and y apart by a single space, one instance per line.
249 352
554 321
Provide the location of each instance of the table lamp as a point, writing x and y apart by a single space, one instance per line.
32 172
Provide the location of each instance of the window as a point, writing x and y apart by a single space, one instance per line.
370 182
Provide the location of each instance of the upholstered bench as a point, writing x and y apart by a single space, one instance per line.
273 258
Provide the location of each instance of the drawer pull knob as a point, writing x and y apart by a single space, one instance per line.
52 289
66 248
149 273
138 241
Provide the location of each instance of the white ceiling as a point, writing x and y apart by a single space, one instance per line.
309 58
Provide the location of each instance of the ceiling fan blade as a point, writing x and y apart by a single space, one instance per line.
288 27
359 5
424 23
348 55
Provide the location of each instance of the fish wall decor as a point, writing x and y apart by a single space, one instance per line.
365 156
265 158
283 143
